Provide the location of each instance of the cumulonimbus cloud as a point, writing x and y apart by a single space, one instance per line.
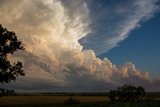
54 60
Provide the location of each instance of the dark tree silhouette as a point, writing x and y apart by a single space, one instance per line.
8 45
127 93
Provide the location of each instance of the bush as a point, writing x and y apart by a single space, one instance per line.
5 92
71 101
127 93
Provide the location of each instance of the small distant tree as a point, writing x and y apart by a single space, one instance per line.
8 45
127 93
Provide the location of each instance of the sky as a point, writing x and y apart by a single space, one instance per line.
84 45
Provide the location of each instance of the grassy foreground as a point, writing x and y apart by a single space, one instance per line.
44 101
58 101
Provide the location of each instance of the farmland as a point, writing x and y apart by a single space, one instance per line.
50 100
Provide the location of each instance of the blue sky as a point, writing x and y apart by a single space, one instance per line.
142 47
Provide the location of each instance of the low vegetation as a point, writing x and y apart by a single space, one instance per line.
71 101
76 100
127 93
5 92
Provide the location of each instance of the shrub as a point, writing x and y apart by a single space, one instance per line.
127 93
71 101
5 92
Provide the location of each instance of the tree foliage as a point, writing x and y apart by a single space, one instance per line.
9 43
127 93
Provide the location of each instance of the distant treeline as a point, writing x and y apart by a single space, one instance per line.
66 94
153 94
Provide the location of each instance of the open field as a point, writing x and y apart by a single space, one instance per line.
85 101
49 99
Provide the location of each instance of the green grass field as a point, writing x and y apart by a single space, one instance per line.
58 101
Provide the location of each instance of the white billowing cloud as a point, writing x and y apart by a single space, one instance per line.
112 23
54 59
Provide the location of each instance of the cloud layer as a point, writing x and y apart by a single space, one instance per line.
54 60
112 23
